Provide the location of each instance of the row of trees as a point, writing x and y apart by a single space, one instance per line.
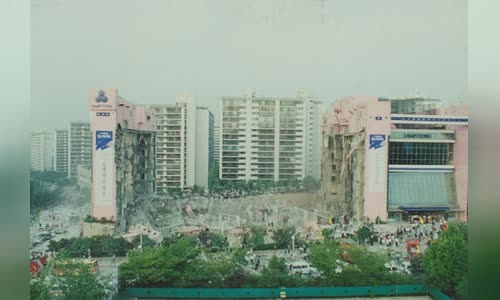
100 246
363 268
45 189
41 197
181 264
50 177
178 263
215 184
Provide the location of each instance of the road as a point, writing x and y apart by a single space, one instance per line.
55 219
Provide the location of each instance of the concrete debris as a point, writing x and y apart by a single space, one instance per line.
193 213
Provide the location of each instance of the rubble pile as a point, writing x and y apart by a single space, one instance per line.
192 213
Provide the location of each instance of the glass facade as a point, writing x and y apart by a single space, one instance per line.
415 153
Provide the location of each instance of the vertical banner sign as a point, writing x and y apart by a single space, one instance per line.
103 120
378 161
104 156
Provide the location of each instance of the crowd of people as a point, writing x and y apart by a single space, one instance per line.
424 228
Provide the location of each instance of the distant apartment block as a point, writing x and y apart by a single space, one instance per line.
42 150
204 145
269 138
313 153
61 151
183 133
217 135
80 146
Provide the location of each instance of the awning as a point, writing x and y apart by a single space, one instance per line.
420 191
436 208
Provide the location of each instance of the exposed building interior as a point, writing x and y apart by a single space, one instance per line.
134 159
342 175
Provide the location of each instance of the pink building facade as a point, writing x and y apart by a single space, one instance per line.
111 118
380 163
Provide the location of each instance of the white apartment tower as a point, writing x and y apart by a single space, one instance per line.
313 154
42 150
268 138
217 134
181 149
80 146
61 151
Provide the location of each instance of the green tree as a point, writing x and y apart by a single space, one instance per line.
214 182
445 261
463 288
276 275
41 197
327 232
73 280
219 242
323 257
171 266
256 238
100 246
146 242
283 237
363 234
363 267
370 269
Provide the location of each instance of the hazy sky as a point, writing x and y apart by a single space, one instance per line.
154 50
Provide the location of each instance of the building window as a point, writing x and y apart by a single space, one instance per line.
410 153
333 178
334 167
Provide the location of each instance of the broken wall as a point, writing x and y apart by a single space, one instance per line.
342 175
134 161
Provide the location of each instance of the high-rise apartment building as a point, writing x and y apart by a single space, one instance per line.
268 138
217 135
182 144
80 146
42 150
204 145
313 153
61 151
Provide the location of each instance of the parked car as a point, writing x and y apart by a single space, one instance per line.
44 236
302 267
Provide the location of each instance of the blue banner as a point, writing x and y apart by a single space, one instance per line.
103 139
376 141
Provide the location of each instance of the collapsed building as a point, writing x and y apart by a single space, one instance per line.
390 158
123 158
